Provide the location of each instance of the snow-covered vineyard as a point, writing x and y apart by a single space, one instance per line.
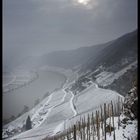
79 110
92 114
112 122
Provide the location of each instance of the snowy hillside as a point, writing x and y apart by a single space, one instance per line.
120 126
87 88
59 109
65 106
112 55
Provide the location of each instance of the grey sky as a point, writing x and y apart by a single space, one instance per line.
39 26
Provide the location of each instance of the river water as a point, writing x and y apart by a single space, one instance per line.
14 101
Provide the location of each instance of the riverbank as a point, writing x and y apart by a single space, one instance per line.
43 108
48 81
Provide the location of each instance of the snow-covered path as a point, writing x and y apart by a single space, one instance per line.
72 104
61 126
63 99
43 109
39 110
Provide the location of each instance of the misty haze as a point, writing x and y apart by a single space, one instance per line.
69 69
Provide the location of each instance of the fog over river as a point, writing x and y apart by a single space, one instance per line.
14 101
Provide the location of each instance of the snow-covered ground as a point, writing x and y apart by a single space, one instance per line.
18 80
93 97
127 131
121 133
106 78
62 108
58 114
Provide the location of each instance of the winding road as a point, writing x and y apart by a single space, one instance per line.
72 104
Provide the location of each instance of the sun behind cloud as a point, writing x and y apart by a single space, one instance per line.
88 4
84 2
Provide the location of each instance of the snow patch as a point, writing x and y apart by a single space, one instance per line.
59 128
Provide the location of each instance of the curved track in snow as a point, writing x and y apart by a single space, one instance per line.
72 105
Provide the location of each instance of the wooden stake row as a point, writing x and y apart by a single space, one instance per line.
94 126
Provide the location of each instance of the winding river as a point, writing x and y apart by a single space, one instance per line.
14 101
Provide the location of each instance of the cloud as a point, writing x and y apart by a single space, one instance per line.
47 25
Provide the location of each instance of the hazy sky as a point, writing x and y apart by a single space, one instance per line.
39 26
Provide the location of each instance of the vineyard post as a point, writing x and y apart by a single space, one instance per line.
87 128
74 135
92 120
84 129
89 125
118 112
113 120
102 120
97 125
105 120
67 135
110 113
80 128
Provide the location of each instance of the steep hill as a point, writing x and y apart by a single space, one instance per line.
106 54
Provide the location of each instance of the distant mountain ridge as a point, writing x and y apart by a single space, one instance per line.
71 58
90 57
87 58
